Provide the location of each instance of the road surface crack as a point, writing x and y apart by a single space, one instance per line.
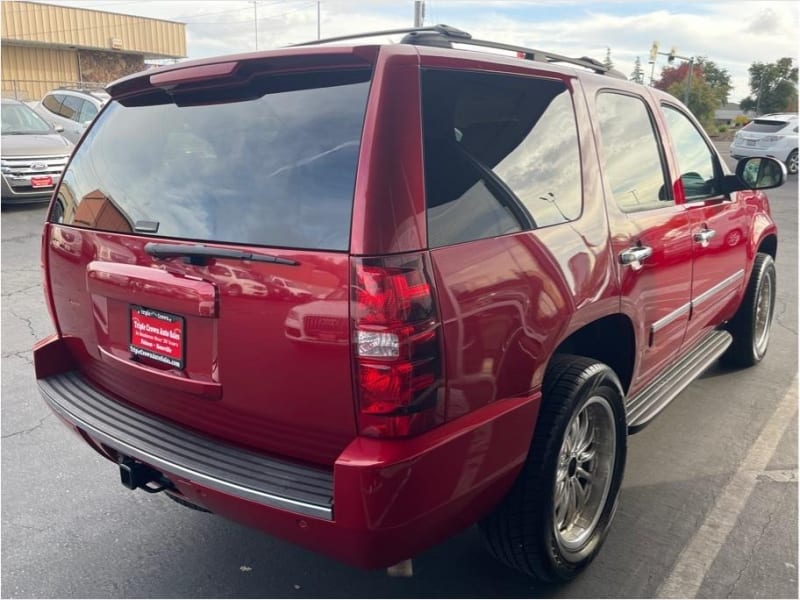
30 429
750 555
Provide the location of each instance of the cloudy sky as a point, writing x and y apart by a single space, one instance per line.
732 33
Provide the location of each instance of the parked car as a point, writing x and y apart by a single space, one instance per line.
773 135
531 259
72 109
33 155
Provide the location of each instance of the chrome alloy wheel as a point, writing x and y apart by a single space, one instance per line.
765 306
583 474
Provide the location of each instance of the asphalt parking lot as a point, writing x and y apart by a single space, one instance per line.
708 507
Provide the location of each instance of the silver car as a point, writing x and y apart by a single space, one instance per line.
33 155
773 135
72 109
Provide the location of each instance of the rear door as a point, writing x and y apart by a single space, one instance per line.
181 209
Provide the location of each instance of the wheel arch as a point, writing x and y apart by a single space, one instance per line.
592 341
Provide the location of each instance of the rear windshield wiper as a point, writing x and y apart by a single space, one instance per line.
199 255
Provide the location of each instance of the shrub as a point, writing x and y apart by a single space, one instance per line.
740 120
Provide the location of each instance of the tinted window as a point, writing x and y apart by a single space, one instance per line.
630 153
277 169
71 108
501 155
52 102
695 159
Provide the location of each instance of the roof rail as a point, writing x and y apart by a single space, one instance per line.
444 36
444 30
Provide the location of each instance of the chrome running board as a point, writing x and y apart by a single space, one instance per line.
642 408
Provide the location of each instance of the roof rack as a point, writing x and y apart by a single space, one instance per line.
444 36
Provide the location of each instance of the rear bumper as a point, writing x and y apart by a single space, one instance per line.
381 502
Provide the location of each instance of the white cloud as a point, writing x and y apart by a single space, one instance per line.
733 33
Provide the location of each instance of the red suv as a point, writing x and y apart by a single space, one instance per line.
509 263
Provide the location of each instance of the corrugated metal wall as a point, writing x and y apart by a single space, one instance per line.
49 24
28 72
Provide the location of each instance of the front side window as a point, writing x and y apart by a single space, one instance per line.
88 112
271 164
501 155
631 157
695 159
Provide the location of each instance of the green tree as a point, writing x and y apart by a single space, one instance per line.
702 99
718 79
773 87
638 72
608 62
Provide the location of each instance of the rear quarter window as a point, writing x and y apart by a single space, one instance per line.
277 169
501 155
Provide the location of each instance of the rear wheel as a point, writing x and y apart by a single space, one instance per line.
556 515
791 163
752 323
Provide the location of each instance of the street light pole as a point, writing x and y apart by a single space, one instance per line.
255 19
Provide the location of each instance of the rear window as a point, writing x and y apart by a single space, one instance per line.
275 169
765 126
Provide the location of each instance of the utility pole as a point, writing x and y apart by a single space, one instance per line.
419 12
688 82
318 36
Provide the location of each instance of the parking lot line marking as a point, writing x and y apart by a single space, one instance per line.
699 554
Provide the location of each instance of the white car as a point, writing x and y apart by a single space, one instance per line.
773 135
72 109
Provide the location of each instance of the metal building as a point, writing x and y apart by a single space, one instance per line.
44 46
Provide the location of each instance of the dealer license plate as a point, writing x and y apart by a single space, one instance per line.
157 335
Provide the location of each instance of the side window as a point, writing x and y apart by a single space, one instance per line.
631 157
88 112
52 102
501 155
695 159
71 107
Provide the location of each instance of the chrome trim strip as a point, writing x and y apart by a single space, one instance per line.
226 487
664 321
718 288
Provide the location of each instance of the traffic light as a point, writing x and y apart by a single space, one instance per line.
654 51
672 53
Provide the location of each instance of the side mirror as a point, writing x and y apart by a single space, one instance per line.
58 128
761 173
756 173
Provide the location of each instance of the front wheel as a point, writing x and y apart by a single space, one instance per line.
752 323
557 514
791 163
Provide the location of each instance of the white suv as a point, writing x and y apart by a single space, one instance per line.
773 135
72 109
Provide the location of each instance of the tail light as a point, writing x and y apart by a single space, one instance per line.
397 346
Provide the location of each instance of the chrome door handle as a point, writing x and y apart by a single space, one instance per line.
634 256
704 236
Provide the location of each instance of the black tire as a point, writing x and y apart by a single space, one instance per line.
791 163
750 340
522 530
